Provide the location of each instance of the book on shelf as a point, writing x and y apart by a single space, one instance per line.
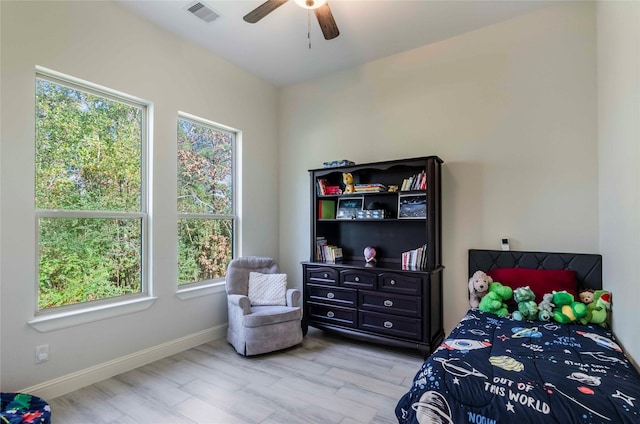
326 209
415 258
326 252
332 190
370 188
320 243
322 186
415 182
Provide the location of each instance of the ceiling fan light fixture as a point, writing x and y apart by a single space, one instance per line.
310 4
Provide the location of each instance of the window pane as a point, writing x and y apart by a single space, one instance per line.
88 150
204 249
84 259
204 169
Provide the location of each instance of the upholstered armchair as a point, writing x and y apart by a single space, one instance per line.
264 315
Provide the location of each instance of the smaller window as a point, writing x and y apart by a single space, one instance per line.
206 189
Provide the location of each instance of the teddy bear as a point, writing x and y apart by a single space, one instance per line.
494 300
567 310
347 179
478 287
545 308
598 303
527 306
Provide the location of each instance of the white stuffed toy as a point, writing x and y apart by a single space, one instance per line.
478 287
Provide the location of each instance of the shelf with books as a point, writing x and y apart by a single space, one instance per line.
391 221
396 209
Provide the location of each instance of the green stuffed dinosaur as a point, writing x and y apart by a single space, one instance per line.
567 310
598 304
527 306
494 300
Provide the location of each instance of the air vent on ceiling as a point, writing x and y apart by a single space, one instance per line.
203 12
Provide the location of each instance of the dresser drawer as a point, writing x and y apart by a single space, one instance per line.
358 279
392 325
322 275
400 283
389 303
333 314
332 295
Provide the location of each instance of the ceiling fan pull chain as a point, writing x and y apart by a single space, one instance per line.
309 27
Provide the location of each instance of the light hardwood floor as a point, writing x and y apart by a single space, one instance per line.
328 379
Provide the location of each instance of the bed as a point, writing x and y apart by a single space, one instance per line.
498 370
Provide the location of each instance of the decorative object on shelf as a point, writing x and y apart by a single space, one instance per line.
347 179
369 254
348 207
412 206
392 188
336 163
371 214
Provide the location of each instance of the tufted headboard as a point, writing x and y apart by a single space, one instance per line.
588 267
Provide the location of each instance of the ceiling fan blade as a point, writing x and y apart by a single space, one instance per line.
263 10
326 21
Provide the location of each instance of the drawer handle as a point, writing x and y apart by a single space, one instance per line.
388 303
330 295
330 314
357 279
392 282
388 324
326 275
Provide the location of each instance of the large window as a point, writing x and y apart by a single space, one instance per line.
206 213
90 188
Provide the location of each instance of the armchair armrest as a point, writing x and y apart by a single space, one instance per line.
241 301
293 297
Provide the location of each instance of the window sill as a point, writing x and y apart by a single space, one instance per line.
56 321
190 292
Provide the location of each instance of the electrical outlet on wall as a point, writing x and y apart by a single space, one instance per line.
42 353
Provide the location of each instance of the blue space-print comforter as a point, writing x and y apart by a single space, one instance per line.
497 370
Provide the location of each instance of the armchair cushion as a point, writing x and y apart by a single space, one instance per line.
267 289
268 315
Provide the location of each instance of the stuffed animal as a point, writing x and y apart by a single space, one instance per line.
347 179
478 287
527 307
597 308
545 308
586 296
494 300
567 310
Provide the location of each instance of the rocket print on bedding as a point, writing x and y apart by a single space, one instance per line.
497 370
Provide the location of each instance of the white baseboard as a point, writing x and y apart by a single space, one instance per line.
79 379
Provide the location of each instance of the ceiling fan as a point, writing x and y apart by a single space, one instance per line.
319 7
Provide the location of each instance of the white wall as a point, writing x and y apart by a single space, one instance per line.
619 153
510 108
102 43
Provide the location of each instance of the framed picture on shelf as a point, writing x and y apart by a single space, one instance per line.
412 206
348 207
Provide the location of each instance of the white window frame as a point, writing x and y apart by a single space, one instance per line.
201 288
65 316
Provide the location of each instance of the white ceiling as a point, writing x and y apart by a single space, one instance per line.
277 49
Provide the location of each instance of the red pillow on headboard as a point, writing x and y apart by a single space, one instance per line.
541 281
